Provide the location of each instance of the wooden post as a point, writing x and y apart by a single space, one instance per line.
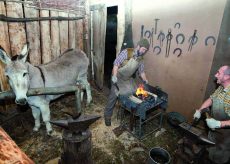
5 43
45 37
76 148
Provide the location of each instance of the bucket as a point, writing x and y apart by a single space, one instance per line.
159 155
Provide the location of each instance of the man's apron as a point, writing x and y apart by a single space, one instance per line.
126 83
220 153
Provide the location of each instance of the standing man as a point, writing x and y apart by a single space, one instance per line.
125 66
219 123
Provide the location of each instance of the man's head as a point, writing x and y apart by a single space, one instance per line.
143 46
223 75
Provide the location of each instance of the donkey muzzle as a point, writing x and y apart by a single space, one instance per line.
21 101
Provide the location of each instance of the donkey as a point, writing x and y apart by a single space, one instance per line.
68 69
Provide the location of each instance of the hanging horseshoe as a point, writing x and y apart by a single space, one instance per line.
148 34
212 38
159 50
180 36
177 49
177 24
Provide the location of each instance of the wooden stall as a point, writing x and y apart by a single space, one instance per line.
50 28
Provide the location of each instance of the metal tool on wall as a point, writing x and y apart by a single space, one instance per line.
152 37
156 20
161 37
142 30
192 40
169 37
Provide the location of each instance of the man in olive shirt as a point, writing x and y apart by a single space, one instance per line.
219 123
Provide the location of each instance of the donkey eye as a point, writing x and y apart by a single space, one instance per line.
24 74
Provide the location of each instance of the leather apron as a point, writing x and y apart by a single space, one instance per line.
126 83
220 153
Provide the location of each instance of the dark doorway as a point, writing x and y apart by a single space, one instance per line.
110 43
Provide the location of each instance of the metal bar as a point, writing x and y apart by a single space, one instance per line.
42 91
78 101
12 19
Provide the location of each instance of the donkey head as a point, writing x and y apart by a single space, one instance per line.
17 73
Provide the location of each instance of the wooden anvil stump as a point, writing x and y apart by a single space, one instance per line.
76 148
76 140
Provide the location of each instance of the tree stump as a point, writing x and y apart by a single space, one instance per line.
76 148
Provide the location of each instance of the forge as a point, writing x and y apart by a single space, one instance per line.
145 109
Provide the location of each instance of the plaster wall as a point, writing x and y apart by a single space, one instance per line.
184 78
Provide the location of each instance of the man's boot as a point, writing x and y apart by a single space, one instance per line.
107 121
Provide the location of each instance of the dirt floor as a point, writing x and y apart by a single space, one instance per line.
106 146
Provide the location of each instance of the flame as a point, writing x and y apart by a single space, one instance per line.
141 92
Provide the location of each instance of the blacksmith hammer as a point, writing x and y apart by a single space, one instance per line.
196 120
115 84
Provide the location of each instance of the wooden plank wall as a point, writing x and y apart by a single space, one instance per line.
5 43
47 39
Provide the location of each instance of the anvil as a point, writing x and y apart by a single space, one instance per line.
80 124
195 132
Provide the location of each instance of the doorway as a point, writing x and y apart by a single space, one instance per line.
110 43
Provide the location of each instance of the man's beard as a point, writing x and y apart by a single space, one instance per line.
219 81
138 53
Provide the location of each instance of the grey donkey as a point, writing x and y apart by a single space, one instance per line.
68 69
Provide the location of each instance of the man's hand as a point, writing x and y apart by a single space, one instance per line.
145 81
212 123
114 79
197 115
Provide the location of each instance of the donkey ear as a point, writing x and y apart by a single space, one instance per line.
24 52
4 57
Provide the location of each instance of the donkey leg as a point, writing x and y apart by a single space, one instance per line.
85 84
45 110
82 79
36 114
82 94
88 92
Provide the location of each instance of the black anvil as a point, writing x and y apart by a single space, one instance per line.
78 125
